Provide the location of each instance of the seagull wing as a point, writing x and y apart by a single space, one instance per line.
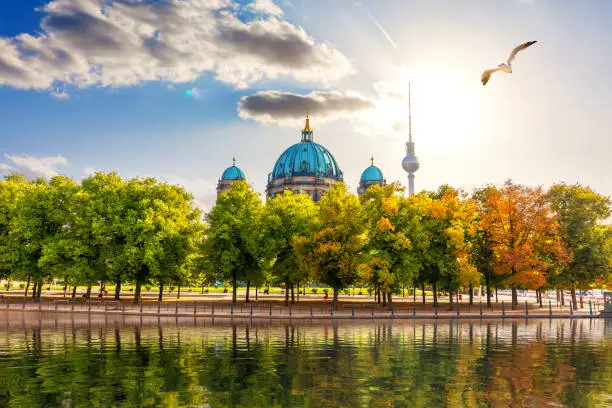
486 75
517 49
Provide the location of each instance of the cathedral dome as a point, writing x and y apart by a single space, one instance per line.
306 159
372 173
233 173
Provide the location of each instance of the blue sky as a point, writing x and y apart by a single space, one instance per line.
104 86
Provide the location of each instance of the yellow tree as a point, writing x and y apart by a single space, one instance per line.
525 236
392 262
334 249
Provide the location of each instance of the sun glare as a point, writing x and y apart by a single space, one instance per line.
444 107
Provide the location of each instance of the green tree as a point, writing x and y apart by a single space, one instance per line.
391 220
286 217
42 218
12 191
233 237
157 221
334 250
581 211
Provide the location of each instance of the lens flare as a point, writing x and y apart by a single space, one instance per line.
377 24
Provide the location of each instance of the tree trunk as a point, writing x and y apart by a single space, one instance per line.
161 292
202 286
27 287
256 292
514 298
88 295
65 289
40 286
248 289
496 299
471 294
562 297
117 289
384 298
234 287
422 290
574 297
451 305
377 295
292 294
540 296
335 295
298 290
101 288
178 292
435 292
137 292
389 298
286 293
74 292
488 290
34 288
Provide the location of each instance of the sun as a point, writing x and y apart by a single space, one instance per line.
443 106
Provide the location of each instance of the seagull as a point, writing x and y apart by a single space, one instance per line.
505 66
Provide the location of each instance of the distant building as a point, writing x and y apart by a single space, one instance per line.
410 162
371 176
309 168
230 174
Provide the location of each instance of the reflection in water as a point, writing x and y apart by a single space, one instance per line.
51 360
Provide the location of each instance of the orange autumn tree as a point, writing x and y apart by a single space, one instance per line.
525 236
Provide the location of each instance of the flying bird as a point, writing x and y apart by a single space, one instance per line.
505 66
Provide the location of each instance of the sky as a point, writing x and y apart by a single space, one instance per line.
175 88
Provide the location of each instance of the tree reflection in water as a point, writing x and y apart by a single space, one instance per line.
51 361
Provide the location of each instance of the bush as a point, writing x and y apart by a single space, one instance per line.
7 286
148 288
225 290
22 286
314 290
205 290
326 291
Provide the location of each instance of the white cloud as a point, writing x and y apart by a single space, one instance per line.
123 42
33 167
266 7
5 168
89 171
59 94
204 191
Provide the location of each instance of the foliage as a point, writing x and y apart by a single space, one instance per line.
580 211
333 251
525 236
234 234
286 218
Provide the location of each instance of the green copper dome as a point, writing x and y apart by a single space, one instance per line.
306 158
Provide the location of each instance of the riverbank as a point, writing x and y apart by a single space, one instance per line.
305 310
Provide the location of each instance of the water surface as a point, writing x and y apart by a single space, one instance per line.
48 360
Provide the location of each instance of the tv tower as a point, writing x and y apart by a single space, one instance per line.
410 162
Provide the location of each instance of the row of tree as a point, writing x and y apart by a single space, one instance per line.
112 230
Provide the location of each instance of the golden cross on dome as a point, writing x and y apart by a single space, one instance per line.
307 128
